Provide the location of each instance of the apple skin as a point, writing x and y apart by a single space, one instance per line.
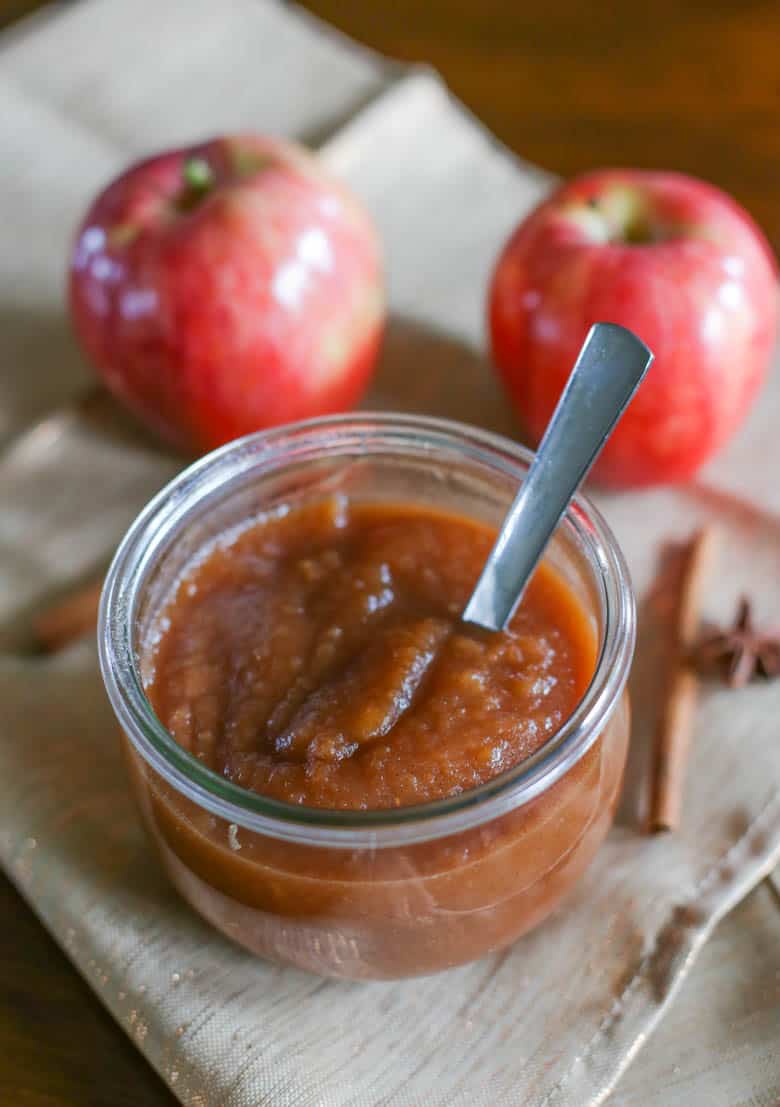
228 287
679 263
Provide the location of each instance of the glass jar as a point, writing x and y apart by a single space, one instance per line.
384 893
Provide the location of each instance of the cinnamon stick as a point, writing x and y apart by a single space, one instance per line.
673 737
68 618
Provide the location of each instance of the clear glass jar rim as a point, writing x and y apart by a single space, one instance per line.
354 829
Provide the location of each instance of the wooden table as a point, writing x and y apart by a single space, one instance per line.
567 85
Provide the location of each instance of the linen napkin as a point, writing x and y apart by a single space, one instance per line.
556 1019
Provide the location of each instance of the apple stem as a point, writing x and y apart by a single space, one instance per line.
198 175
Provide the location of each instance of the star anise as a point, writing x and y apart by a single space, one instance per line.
740 653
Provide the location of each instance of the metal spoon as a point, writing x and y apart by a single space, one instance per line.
607 373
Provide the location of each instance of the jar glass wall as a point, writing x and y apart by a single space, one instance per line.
391 892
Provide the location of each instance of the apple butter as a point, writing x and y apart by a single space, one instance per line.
318 657
314 655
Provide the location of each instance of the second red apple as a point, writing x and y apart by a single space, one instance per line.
679 263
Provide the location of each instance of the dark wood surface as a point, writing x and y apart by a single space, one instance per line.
692 85
569 85
59 1047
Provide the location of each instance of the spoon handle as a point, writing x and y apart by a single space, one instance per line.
609 369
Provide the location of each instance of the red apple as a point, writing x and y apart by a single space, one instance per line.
675 260
228 287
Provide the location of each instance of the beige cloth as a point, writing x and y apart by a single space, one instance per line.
557 1019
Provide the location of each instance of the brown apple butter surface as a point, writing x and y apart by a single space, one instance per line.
317 656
